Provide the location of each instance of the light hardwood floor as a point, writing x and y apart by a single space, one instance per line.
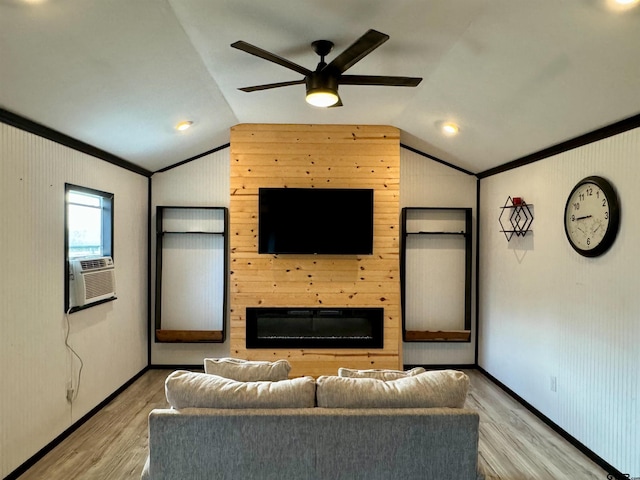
517 445
514 444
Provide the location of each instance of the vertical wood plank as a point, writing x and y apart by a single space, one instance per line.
316 156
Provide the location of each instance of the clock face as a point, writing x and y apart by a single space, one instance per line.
591 216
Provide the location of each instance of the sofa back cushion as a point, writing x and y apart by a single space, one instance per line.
247 370
190 389
379 374
441 388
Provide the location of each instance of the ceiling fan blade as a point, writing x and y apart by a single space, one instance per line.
357 51
258 52
267 86
379 80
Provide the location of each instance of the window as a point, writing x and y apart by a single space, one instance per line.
88 226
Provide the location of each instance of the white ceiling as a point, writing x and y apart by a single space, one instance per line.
517 76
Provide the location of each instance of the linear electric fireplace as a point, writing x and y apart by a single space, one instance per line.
315 327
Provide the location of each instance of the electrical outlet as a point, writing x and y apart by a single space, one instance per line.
554 383
70 392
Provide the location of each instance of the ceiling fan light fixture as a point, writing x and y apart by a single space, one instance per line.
322 90
322 98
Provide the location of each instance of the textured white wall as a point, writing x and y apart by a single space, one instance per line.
201 183
545 311
111 338
426 183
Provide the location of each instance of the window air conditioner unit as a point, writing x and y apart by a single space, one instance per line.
91 280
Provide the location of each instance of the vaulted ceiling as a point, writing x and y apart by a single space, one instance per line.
516 76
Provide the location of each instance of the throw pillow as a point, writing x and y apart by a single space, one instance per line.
379 374
247 370
190 389
440 388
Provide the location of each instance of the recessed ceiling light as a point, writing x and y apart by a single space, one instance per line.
622 5
450 128
184 125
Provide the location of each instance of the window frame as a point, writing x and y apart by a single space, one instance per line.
107 236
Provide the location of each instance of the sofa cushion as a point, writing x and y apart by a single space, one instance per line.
247 370
379 374
441 388
190 389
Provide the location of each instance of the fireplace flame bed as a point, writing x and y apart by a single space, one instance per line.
314 327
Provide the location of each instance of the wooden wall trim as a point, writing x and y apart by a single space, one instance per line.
30 126
579 141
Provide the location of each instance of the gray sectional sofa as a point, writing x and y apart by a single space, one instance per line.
376 425
313 444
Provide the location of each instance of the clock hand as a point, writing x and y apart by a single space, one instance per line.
596 229
583 232
582 218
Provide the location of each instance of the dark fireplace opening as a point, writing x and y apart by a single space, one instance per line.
315 327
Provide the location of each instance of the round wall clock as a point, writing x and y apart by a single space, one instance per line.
592 216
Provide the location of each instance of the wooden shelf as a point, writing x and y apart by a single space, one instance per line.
436 233
189 336
191 233
437 336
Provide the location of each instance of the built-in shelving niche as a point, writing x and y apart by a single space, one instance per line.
435 274
191 274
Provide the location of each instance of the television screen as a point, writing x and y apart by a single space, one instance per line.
331 221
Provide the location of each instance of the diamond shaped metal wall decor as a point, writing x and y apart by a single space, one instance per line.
518 213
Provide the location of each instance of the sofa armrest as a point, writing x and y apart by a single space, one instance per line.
145 470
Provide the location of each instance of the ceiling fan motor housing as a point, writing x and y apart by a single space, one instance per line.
321 82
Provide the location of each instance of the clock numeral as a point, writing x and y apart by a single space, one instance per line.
589 191
588 241
604 202
576 206
573 218
581 196
606 215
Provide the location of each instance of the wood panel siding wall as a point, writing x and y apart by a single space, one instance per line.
559 329
110 338
316 156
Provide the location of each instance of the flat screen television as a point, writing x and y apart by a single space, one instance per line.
325 221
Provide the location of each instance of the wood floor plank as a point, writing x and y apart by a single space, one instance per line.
514 443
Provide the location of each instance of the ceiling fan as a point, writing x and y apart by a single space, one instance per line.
322 83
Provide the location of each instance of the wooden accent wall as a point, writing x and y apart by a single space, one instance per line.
316 156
